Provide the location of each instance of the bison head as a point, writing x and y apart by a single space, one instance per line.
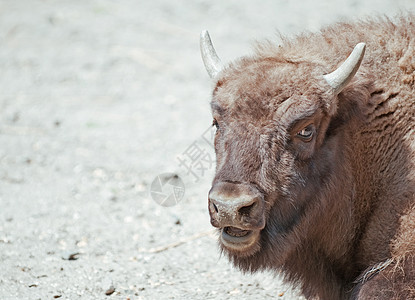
275 148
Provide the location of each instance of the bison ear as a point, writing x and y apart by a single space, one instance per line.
211 60
339 78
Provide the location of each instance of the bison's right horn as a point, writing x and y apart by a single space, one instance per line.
211 60
339 78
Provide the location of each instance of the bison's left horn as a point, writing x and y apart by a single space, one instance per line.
339 78
211 60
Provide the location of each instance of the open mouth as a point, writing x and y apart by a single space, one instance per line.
236 232
238 239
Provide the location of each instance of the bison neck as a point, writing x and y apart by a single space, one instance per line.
383 171
355 223
318 275
324 261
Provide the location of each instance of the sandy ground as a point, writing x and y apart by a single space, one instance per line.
97 98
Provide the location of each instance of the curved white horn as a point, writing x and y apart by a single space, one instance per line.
211 60
339 78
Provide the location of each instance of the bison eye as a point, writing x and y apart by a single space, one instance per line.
306 134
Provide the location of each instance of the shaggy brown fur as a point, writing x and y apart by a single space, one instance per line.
340 208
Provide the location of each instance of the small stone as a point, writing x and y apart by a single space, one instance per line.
57 296
73 256
110 291
70 255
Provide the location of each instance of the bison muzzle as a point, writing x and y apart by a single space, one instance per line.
238 210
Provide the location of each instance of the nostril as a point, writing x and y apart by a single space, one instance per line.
213 208
246 210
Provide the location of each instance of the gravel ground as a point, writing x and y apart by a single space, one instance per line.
97 98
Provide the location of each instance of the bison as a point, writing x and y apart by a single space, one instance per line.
315 148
